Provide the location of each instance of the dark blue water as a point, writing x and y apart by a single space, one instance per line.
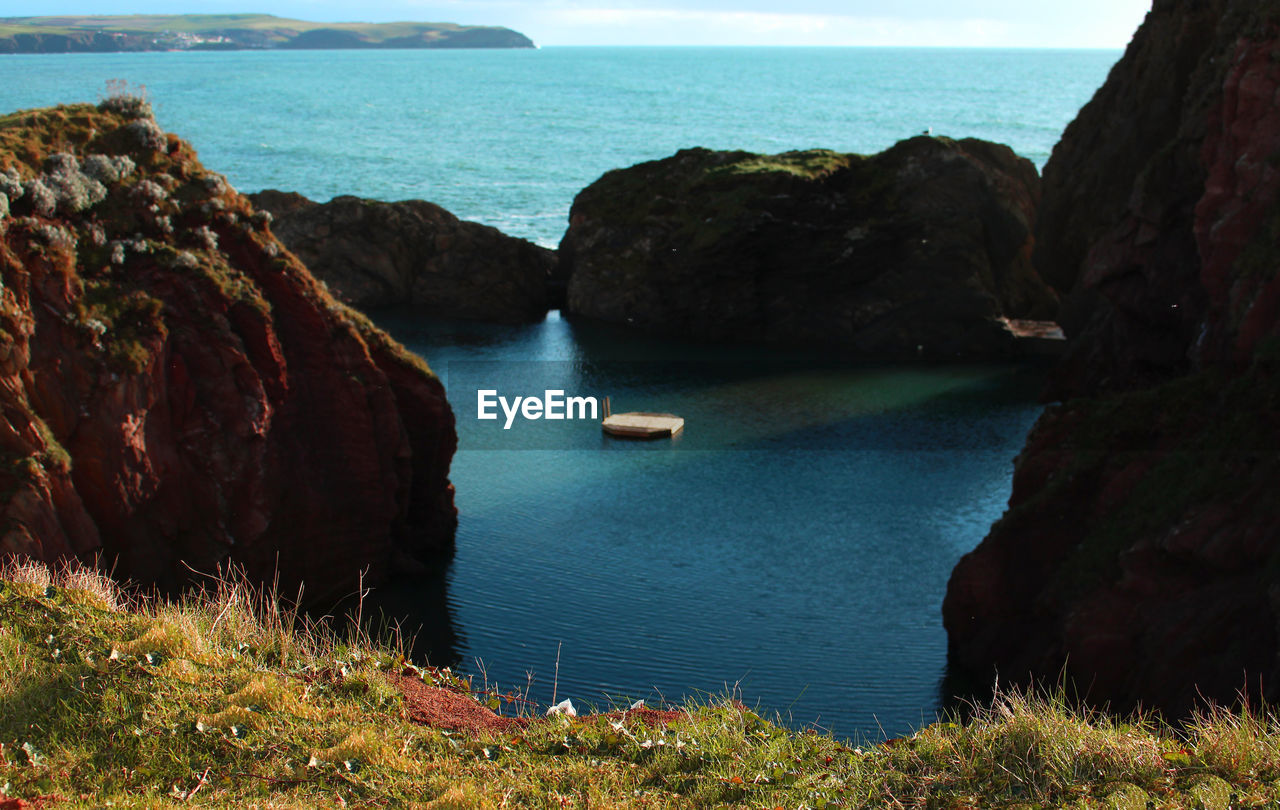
792 546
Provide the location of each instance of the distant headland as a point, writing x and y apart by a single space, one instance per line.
231 32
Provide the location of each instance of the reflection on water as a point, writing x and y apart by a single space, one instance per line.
793 545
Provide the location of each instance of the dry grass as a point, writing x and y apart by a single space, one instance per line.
227 697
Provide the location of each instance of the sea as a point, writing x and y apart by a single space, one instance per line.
791 548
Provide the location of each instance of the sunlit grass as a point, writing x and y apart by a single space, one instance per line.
228 698
809 164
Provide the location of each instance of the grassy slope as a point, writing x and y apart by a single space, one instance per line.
220 701
205 23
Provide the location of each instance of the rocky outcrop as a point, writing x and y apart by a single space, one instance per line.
379 254
70 42
179 392
367 36
922 249
1141 550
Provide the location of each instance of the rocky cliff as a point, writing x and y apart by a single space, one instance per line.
1141 548
378 254
922 249
178 391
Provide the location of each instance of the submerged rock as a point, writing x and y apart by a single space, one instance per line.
1141 550
924 248
179 392
378 254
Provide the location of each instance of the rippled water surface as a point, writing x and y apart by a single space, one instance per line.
793 544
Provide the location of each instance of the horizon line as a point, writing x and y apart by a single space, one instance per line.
539 46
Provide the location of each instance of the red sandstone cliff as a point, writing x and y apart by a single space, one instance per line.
178 391
1141 549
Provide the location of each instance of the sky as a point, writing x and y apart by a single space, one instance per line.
926 23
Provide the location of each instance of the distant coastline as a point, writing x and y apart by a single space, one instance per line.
236 32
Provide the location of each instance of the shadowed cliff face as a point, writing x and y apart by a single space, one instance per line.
1141 548
1115 231
920 249
179 392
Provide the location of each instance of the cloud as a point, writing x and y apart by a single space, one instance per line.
693 26
758 22
938 23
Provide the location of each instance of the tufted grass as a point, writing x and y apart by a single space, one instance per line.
226 698
809 164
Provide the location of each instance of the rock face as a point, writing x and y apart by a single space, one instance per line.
377 254
179 391
1141 548
427 37
923 248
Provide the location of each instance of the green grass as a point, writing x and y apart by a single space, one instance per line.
55 456
224 698
10 30
809 164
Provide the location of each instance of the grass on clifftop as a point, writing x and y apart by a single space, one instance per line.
223 700
809 164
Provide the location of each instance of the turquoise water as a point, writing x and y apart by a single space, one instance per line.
794 545
508 137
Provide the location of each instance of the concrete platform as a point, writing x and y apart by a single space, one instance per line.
642 425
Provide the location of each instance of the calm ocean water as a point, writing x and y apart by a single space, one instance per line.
794 545
508 137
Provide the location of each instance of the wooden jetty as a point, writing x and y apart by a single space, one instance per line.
641 425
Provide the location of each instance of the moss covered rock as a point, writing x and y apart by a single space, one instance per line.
922 249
